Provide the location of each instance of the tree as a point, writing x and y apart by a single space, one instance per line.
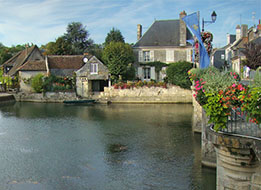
114 36
252 52
117 56
78 37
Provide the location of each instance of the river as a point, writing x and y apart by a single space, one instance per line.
100 147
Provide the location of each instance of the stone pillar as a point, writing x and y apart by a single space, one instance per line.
237 165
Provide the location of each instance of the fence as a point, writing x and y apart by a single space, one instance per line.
238 124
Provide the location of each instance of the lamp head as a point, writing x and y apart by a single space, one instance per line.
213 16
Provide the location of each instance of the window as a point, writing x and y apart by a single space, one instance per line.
170 55
222 56
146 72
146 56
94 68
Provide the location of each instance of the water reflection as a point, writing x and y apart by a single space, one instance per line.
52 146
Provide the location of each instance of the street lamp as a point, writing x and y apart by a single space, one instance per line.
213 17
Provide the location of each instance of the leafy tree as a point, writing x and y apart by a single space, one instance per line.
117 56
6 52
78 37
252 52
177 74
114 36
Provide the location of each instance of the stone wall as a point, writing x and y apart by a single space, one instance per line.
45 97
172 94
199 125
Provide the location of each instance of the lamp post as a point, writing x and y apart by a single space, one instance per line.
213 17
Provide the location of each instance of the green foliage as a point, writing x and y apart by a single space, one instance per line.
117 56
157 64
177 74
114 36
8 52
37 83
251 103
54 83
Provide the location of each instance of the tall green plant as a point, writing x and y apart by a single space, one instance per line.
37 83
177 74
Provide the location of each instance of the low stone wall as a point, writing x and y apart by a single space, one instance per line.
45 97
6 98
172 94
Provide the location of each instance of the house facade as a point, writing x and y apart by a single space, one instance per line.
233 52
92 77
164 41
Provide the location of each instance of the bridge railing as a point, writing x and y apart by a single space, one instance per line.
238 124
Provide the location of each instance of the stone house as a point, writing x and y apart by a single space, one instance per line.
92 77
164 41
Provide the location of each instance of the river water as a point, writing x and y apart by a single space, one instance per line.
100 147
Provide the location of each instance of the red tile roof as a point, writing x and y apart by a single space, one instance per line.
65 61
33 66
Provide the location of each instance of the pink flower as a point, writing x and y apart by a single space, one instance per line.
203 82
203 90
233 85
235 77
194 95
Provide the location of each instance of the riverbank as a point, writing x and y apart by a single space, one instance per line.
6 98
145 95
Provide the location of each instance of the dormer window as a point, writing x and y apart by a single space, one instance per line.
94 68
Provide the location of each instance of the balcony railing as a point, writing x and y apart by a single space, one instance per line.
238 124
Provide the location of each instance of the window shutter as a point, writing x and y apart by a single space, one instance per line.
188 55
151 55
140 56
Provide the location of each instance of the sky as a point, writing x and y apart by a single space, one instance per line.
43 21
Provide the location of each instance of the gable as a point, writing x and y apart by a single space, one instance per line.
28 54
85 71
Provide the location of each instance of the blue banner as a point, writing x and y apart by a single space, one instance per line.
192 23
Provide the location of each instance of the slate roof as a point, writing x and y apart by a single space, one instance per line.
162 33
257 40
65 61
33 66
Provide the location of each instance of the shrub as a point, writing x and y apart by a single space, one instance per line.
37 83
177 74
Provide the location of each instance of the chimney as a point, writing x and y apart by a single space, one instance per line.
238 32
139 31
244 29
228 39
26 49
182 30
259 26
